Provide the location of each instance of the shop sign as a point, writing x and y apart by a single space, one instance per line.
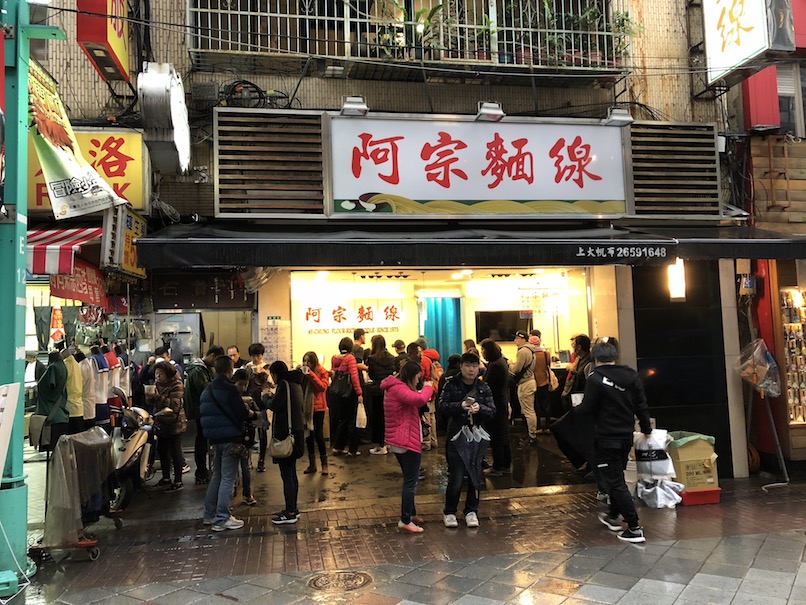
117 156
102 32
86 284
122 226
206 290
624 253
459 168
73 186
374 316
735 33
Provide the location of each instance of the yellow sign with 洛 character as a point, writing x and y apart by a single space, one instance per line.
115 155
134 227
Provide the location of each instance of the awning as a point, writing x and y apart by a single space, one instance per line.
432 245
52 251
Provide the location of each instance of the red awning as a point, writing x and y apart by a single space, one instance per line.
52 251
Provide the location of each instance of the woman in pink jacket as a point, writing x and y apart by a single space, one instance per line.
402 403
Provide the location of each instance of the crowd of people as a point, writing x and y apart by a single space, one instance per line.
395 397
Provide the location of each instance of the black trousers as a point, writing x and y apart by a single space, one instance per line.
200 448
317 437
170 451
453 491
611 460
347 435
288 473
499 442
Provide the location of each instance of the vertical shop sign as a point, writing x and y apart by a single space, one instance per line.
102 32
73 185
122 226
117 156
2 124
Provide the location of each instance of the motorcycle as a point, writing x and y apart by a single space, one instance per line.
133 442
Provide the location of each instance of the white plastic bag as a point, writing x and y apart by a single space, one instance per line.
660 494
651 459
361 416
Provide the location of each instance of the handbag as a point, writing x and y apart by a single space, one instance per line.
341 385
39 429
239 449
554 384
361 416
283 448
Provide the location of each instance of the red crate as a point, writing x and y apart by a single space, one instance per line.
700 496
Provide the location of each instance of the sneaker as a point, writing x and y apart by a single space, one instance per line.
602 497
633 535
325 470
175 487
612 523
379 451
202 479
416 519
185 469
164 482
231 523
261 467
410 527
472 519
207 521
494 472
284 518
250 501
450 521
353 454
310 470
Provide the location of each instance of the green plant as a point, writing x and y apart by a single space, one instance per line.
482 36
624 29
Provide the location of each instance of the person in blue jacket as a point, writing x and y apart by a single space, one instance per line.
223 419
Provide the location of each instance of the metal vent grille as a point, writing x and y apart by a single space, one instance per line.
675 169
268 163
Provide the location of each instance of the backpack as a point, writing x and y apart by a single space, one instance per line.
437 371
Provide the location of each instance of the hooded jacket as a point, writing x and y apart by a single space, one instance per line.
222 412
197 376
401 407
522 367
614 396
170 395
428 357
347 364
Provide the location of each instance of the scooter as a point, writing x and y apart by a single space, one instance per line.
133 443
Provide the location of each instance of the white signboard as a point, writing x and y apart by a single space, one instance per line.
444 167
9 397
735 33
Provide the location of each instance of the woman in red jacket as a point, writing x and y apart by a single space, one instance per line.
347 436
402 403
314 388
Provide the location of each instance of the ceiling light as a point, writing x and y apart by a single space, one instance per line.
489 112
617 116
354 106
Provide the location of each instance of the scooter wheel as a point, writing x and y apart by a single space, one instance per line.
94 553
123 495
118 523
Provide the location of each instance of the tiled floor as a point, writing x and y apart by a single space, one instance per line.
535 545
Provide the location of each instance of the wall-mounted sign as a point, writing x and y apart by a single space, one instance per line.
739 31
88 285
206 290
102 32
74 187
122 226
118 156
444 167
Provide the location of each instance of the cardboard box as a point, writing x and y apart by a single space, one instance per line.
694 462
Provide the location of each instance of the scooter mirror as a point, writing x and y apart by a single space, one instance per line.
164 411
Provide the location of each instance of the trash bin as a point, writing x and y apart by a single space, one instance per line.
695 466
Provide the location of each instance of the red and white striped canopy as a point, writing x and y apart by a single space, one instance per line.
52 251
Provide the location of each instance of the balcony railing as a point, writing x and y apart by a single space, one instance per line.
557 34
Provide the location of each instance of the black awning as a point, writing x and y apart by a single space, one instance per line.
320 245
427 245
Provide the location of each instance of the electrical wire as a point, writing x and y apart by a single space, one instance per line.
26 583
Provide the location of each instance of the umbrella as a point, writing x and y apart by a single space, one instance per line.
574 435
471 443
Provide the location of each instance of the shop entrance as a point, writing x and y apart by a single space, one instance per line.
441 324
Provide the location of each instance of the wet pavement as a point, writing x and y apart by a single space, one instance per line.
536 544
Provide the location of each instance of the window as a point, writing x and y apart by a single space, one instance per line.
791 95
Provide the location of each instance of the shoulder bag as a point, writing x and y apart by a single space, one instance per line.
283 448
39 429
239 449
341 385
554 383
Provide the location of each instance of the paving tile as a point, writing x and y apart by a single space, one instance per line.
496 590
119 600
436 596
459 584
87 596
600 594
245 592
556 586
535 597
479 571
570 572
422 577
613 580
150 591
401 590
658 587
181 597
749 599
642 598
521 578
772 564
272 580
474 600
798 593
762 575
215 585
723 569
765 588
703 594
718 582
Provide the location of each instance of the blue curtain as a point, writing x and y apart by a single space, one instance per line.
443 326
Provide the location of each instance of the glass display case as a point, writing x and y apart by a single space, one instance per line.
793 318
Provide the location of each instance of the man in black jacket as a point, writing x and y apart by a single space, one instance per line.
614 396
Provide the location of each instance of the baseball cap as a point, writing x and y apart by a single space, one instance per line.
521 334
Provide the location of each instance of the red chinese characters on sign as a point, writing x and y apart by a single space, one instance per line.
519 166
730 23
86 284
380 152
574 166
313 315
365 314
390 313
439 170
109 160
338 314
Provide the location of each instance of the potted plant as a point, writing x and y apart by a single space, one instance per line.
621 30
483 40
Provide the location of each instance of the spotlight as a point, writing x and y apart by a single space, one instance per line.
354 106
617 117
489 112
